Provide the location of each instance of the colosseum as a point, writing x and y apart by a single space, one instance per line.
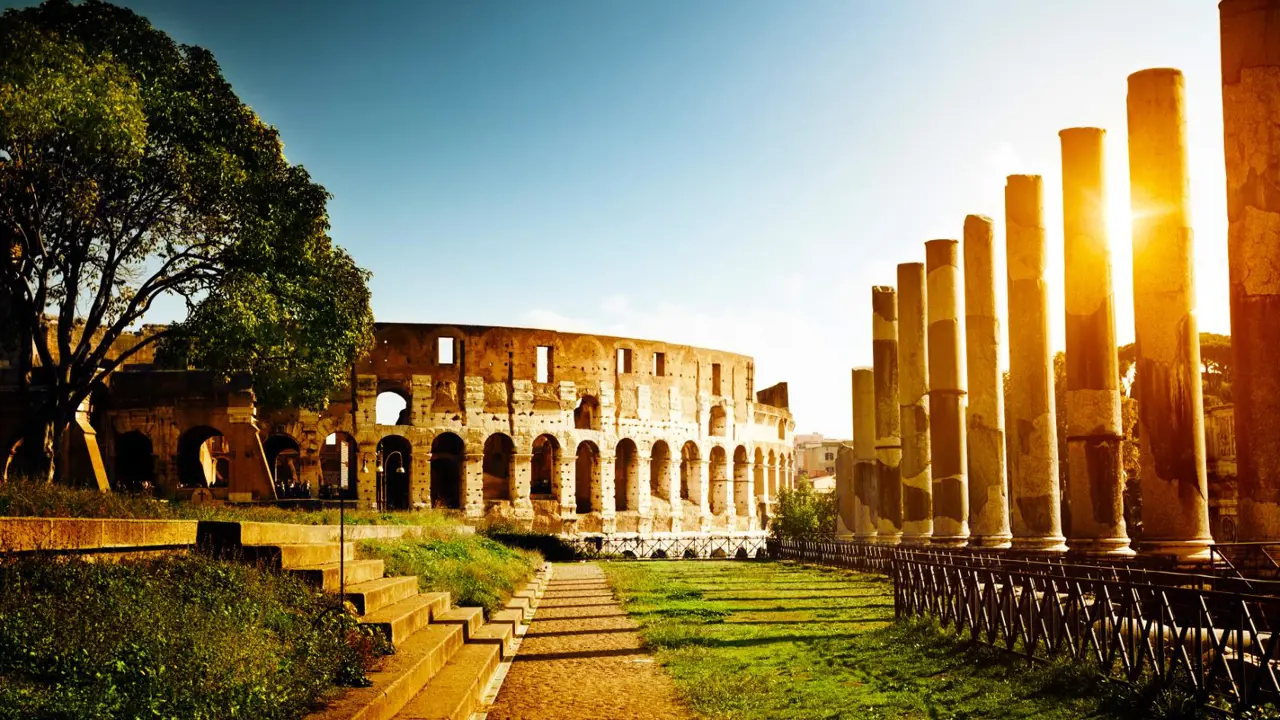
561 432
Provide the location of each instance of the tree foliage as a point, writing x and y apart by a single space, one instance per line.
802 512
131 173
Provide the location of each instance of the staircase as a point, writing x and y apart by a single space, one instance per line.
445 656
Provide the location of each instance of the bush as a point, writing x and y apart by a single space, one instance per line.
551 547
185 637
475 570
804 513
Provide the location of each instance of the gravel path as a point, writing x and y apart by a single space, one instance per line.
581 658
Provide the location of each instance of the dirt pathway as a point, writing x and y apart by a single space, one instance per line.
581 658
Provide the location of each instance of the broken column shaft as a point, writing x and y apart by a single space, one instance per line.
947 439
1095 469
866 504
1250 31
884 334
1033 445
988 497
913 394
1175 503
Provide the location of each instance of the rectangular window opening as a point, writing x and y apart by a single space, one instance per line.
715 378
659 364
444 351
624 360
544 364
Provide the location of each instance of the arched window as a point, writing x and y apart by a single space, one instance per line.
392 408
447 458
499 454
626 469
545 467
719 423
587 415
198 451
660 470
586 476
393 472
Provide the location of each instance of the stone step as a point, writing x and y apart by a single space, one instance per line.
501 634
399 678
512 617
522 605
325 576
470 618
287 556
400 620
371 595
456 692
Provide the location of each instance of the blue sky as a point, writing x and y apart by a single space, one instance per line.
727 173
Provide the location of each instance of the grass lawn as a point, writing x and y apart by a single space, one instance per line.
773 640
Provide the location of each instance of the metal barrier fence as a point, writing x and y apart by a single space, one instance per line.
1210 634
739 546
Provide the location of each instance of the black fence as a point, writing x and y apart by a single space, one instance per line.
689 547
1210 634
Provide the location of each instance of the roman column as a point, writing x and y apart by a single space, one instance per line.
1095 469
1033 442
913 396
988 497
1175 498
1250 32
884 334
866 507
947 443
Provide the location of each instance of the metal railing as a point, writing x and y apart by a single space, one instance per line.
727 546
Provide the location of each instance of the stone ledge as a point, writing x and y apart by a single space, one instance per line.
32 534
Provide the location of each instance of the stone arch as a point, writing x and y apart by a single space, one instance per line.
394 472
626 476
135 462
741 481
545 467
782 429
284 458
689 459
339 476
660 470
586 481
498 466
718 470
718 424
586 416
199 449
394 404
448 458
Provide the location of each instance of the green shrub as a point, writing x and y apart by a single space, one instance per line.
551 547
476 570
179 637
802 512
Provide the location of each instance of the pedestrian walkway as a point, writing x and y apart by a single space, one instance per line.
582 658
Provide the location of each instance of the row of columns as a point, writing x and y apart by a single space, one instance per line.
946 425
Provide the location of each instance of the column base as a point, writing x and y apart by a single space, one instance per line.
916 539
889 539
1100 547
1052 544
949 541
865 538
704 522
1184 551
645 525
608 525
1000 541
676 522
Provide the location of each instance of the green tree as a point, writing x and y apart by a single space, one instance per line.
130 173
802 512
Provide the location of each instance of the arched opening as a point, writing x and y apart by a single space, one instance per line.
392 408
758 477
586 416
338 476
719 554
395 456
660 471
659 554
720 488
782 429
135 467
283 457
586 476
447 456
740 554
545 467
741 481
773 475
498 467
719 424
199 449
689 554
688 468
626 470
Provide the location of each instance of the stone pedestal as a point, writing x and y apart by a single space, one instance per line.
913 399
1095 479
884 333
1175 496
948 438
988 494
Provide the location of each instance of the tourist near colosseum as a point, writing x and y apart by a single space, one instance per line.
670 361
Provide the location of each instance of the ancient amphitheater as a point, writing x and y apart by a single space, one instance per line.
562 432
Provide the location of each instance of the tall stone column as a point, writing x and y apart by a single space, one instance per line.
913 398
947 441
884 334
520 484
1175 496
1033 442
988 497
1250 103
473 485
703 475
1095 468
866 494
